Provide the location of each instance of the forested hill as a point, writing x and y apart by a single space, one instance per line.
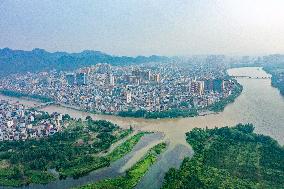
229 158
16 61
274 64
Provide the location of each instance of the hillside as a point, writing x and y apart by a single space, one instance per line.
17 61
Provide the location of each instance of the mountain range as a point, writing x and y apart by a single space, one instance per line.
19 61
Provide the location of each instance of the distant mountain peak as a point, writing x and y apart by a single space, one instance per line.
6 49
92 52
15 61
38 50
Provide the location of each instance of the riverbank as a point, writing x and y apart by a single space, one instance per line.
134 174
277 79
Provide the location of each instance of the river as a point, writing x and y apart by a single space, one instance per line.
259 103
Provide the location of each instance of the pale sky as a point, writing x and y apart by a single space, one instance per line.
145 27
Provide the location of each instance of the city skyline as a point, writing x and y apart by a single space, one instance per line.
145 27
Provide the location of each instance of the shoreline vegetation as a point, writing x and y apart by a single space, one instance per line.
277 77
229 157
173 113
133 175
71 153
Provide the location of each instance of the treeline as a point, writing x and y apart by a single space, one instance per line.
277 82
71 152
173 113
229 158
277 79
25 95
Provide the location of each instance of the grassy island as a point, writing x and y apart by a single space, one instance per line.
229 158
125 147
72 152
133 175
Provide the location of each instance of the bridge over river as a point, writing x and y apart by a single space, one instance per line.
251 77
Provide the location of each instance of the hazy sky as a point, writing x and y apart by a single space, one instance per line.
132 27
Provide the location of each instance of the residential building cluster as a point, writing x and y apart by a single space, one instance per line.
19 123
112 89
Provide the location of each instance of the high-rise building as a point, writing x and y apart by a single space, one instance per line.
128 96
208 85
81 78
147 75
111 80
218 85
197 87
223 85
142 75
201 87
156 78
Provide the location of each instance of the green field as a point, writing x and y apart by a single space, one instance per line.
133 175
125 147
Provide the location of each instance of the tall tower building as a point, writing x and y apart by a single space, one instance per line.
218 85
81 79
208 85
157 78
111 79
128 96
201 87
197 87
